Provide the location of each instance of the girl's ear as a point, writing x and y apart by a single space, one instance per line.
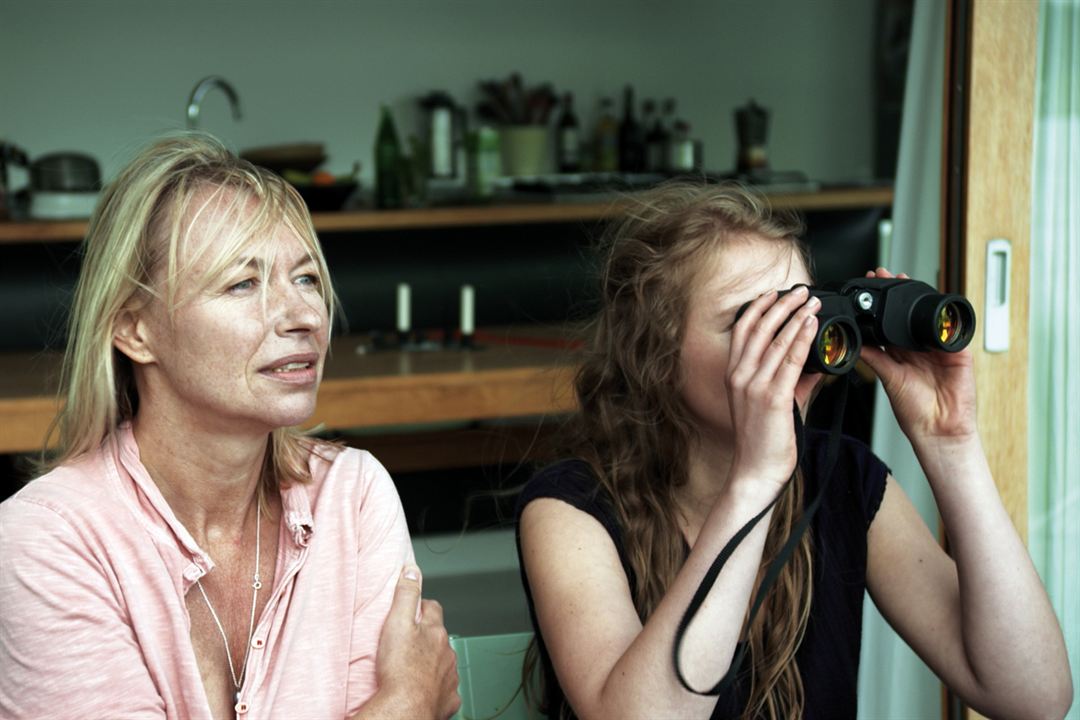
131 336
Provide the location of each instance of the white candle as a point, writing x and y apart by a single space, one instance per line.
468 310
404 320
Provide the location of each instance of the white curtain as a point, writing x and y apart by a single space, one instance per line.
893 681
1054 323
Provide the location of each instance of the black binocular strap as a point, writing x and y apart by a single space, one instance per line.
782 557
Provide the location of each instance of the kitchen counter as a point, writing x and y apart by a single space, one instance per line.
511 376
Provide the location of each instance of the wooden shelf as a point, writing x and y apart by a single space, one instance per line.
464 216
371 390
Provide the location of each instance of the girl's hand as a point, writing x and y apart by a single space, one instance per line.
764 376
932 393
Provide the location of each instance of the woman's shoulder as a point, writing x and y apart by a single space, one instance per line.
574 482
75 489
346 473
571 479
70 512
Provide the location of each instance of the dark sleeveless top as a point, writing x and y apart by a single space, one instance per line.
828 657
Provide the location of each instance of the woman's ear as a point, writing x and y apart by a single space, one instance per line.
131 337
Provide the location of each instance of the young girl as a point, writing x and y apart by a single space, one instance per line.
686 432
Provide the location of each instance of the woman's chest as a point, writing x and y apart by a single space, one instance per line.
224 608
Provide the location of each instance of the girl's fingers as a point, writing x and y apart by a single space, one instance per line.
787 376
788 341
882 272
744 325
766 329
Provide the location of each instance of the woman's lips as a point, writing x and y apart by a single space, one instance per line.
301 370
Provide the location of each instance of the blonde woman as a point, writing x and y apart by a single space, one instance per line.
686 432
190 554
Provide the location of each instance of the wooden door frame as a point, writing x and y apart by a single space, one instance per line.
987 164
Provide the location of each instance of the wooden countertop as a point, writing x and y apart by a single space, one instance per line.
466 216
502 379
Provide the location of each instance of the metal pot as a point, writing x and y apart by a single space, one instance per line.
65 172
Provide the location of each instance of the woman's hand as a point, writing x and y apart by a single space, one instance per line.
932 393
415 667
769 345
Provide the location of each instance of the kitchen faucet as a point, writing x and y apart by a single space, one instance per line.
204 86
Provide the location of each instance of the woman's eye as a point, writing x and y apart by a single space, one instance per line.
242 286
310 280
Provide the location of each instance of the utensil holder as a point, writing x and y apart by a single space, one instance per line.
524 149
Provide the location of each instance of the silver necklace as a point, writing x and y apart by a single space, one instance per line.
238 680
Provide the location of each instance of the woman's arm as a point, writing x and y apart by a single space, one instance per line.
982 623
980 619
66 643
402 663
607 662
417 670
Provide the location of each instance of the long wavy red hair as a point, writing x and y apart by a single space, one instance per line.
635 431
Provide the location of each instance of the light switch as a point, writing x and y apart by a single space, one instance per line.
998 290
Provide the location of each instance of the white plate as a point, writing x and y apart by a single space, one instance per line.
62 205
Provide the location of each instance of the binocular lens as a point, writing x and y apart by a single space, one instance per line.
950 324
836 348
834 345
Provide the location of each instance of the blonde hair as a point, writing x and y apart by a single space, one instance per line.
136 232
635 430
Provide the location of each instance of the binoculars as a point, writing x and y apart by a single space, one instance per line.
903 313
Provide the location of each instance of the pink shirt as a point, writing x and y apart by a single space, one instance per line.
94 568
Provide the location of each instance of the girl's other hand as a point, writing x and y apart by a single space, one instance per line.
932 393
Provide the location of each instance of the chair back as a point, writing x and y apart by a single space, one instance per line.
489 677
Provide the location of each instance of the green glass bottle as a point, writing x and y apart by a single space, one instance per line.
388 192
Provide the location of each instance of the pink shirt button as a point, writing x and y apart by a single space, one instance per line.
257 642
241 708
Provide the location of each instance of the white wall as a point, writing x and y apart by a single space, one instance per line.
105 77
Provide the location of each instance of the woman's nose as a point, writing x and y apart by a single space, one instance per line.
299 311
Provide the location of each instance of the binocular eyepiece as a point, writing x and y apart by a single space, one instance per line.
899 312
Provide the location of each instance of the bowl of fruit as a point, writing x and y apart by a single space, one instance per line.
322 190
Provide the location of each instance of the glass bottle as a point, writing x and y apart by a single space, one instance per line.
568 138
388 157
606 143
631 137
656 142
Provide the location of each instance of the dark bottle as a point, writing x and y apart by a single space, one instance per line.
388 190
568 138
606 139
631 137
666 129
656 145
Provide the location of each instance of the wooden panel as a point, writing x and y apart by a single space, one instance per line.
424 398
1002 102
24 423
1001 118
513 378
367 220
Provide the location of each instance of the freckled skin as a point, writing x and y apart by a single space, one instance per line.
209 357
742 273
